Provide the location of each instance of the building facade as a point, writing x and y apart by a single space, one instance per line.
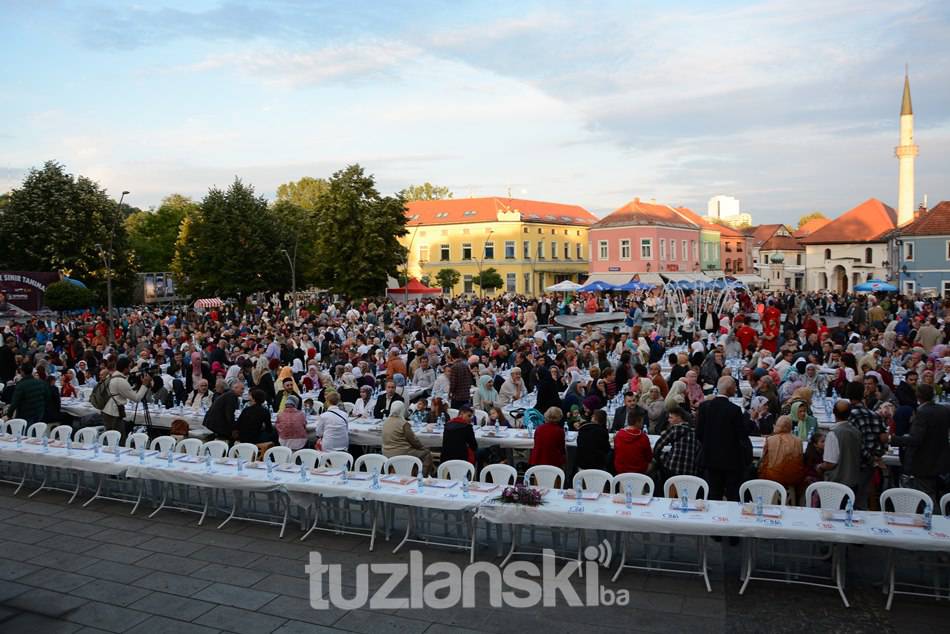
920 253
777 240
710 241
532 244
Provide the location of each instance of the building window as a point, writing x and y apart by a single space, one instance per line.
603 250
489 250
467 251
509 249
510 281
946 288
444 252
526 250
662 249
827 254
910 287
580 251
526 230
798 259
738 266
540 249
685 250
553 249
738 247
909 251
672 249
695 250
624 249
467 281
527 283
423 253
868 256
567 250
948 249
646 249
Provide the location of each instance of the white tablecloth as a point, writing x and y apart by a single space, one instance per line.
77 458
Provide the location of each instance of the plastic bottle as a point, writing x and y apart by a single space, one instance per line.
117 453
465 488
69 446
303 473
240 466
849 513
420 482
19 441
578 492
374 483
208 462
628 494
270 469
684 499
928 517
95 448
497 428
170 458
345 476
759 506
141 454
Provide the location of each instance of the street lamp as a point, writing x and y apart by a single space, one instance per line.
107 261
293 270
478 262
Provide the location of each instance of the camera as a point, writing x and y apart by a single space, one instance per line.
135 376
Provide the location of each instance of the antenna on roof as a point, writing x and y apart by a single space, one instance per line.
509 191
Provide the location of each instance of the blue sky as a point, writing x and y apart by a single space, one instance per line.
789 105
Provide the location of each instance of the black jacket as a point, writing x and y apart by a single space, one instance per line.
927 441
220 416
720 427
620 419
380 410
593 447
254 425
457 438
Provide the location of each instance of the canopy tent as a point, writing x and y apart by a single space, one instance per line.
751 280
875 286
566 286
413 288
596 287
635 286
74 282
209 302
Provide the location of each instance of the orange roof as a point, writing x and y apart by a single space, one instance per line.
696 219
935 222
636 212
865 223
781 243
463 210
810 227
762 233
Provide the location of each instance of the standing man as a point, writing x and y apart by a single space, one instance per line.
873 440
31 397
842 456
721 430
926 443
120 393
460 381
221 415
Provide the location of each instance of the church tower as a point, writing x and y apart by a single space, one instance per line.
905 153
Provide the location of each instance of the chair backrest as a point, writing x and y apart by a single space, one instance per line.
62 433
348 407
502 474
279 455
134 441
370 462
36 430
243 451
318 407
163 444
642 484
831 495
189 446
696 488
453 412
86 436
456 470
593 480
216 449
772 492
110 438
337 460
945 505
306 457
545 476
403 465
481 417
14 426
905 500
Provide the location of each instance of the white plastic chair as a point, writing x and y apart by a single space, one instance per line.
642 485
545 476
831 495
85 436
456 470
135 441
36 430
905 500
593 480
278 455
306 457
348 408
14 426
945 504
62 433
337 460
481 417
502 474
694 485
370 463
216 449
318 407
403 465
770 491
110 438
453 412
243 451
189 446
163 444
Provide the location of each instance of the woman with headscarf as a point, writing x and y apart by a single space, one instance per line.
349 391
806 423
311 380
288 387
485 394
814 379
198 372
761 419
788 386
782 460
292 424
655 406
575 393
548 388
677 396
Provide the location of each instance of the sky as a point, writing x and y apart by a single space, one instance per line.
789 105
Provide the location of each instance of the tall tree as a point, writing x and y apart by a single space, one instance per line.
229 246
447 279
297 236
425 191
304 193
488 280
812 216
152 234
54 221
357 240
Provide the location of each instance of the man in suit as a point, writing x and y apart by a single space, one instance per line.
620 415
725 439
927 446
386 400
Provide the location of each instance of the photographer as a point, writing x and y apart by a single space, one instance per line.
120 393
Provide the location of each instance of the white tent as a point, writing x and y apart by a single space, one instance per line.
566 286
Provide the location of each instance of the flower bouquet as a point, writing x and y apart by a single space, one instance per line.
521 494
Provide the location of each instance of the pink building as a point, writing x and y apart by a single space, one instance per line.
643 239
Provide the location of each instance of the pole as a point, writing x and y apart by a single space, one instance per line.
481 282
107 259
405 287
293 271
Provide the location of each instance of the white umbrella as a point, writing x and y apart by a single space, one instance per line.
566 286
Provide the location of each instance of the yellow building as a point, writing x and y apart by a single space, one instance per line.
531 244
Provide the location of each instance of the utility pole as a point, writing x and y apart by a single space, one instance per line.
293 269
107 261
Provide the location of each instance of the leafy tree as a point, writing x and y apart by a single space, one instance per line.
304 193
67 296
426 279
488 279
425 191
152 234
447 279
54 221
807 217
357 239
229 246
297 232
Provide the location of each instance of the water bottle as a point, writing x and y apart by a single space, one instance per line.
464 488
170 457
19 440
207 463
345 476
69 446
497 428
374 483
684 499
628 494
578 492
116 453
240 466
303 473
928 517
141 454
759 506
420 482
834 395
849 513
270 469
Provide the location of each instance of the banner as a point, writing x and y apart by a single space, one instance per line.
23 291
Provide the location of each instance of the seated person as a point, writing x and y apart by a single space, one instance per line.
399 439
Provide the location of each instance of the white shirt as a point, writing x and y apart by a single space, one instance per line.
333 428
832 452
361 409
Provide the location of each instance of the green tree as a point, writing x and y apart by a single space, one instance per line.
425 191
297 233
447 279
230 246
67 296
357 238
152 234
304 193
807 217
488 279
54 222
426 279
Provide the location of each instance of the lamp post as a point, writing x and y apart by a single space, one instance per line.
107 261
293 269
481 287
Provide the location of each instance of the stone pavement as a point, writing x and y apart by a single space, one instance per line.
66 569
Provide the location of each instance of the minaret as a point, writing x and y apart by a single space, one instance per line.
905 153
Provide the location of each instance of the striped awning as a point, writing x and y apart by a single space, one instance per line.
209 302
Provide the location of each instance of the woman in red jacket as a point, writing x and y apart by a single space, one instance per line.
632 450
549 440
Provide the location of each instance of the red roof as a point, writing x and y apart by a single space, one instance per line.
463 210
762 233
810 227
637 212
865 223
781 243
935 222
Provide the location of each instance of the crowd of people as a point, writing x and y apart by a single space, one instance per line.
750 364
